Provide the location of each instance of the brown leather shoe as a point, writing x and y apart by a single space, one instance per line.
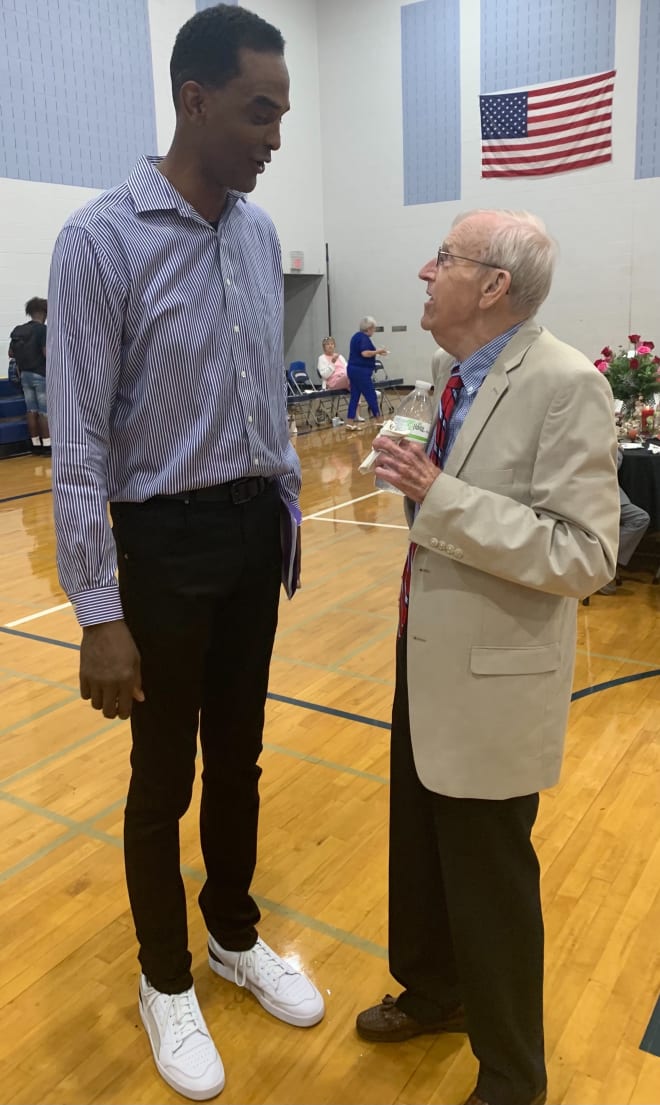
540 1099
387 1024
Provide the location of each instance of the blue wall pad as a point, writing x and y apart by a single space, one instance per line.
201 4
76 91
527 42
647 160
430 78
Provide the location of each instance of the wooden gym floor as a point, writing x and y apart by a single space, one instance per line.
68 969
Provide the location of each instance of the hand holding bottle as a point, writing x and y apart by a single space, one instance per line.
413 422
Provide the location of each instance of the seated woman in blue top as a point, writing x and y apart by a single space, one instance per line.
359 370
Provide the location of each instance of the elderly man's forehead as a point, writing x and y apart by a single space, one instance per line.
471 233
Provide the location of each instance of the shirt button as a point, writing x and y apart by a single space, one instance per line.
459 554
256 462
243 374
229 283
434 542
450 549
236 329
249 418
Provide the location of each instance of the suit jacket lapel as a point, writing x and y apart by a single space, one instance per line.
490 393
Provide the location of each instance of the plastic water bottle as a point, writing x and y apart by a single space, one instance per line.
414 418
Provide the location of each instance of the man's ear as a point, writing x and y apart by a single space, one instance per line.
495 287
192 101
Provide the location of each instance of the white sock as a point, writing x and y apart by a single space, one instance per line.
36 441
46 441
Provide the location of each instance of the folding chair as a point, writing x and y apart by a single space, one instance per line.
380 376
298 377
299 382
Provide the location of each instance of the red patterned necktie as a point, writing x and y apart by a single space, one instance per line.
448 401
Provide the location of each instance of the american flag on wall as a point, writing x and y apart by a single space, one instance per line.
549 128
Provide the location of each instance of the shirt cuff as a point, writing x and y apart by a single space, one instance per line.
289 487
102 604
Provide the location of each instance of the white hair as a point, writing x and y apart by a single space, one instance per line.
519 243
366 322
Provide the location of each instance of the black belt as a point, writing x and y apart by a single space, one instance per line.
237 492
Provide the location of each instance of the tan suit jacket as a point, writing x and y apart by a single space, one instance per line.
523 521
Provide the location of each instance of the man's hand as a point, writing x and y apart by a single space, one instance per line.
406 466
110 669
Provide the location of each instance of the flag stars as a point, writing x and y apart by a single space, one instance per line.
504 116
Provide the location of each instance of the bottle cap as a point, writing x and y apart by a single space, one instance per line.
423 385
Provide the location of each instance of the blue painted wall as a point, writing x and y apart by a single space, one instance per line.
647 161
532 41
430 63
201 4
76 90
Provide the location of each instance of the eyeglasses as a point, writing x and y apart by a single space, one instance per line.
444 255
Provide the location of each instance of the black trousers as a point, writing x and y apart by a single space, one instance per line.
465 916
200 583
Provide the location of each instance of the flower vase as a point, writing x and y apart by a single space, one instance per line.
648 419
632 419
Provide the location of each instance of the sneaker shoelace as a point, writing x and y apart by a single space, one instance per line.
262 963
183 1019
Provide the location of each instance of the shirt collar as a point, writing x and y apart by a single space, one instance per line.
475 368
151 191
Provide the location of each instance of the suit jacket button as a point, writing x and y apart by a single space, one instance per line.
459 554
434 542
451 549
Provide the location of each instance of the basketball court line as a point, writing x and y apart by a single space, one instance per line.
63 606
582 693
87 829
39 614
26 495
72 828
340 506
355 522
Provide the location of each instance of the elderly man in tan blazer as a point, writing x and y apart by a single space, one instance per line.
513 512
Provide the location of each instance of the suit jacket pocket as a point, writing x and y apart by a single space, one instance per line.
515 661
489 478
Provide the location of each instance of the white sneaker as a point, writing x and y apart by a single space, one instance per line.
277 985
184 1052
360 418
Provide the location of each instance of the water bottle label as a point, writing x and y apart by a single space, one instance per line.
413 428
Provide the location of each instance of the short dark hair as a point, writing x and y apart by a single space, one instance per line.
207 46
36 306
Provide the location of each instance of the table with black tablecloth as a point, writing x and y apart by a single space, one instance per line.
639 476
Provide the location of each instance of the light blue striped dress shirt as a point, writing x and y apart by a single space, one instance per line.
165 365
473 371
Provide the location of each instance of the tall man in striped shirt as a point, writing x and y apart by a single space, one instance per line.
167 396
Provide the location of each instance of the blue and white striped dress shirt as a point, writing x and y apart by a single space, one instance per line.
165 365
473 371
